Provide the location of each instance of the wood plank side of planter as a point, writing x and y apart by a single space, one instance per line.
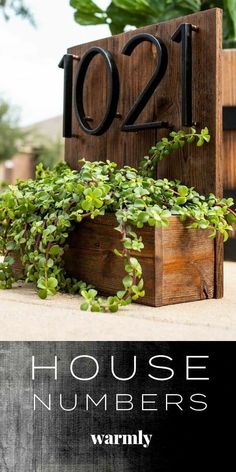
188 264
178 263
91 258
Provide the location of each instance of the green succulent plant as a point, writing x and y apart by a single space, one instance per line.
121 14
36 217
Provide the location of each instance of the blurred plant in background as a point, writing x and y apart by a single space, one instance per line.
11 135
11 8
21 149
49 153
123 14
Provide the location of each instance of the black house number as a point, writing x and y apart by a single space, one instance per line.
182 35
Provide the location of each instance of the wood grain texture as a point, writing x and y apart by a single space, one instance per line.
229 139
201 168
193 166
188 264
178 263
229 74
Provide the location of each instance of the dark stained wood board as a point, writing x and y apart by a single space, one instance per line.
199 167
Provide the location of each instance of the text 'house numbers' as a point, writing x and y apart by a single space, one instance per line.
182 35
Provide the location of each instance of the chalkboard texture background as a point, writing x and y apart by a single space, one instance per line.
59 441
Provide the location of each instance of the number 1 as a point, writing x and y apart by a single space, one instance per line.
184 35
66 63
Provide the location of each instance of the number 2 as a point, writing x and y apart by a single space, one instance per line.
144 97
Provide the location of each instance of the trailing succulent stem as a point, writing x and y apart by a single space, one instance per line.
36 217
166 146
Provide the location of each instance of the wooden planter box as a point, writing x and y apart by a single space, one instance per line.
229 138
178 263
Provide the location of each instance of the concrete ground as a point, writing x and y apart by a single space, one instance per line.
23 317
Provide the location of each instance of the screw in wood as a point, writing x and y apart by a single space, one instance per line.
118 115
195 28
88 118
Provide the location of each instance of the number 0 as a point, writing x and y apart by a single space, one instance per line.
113 91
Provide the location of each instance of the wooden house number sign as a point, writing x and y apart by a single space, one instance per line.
182 35
123 93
